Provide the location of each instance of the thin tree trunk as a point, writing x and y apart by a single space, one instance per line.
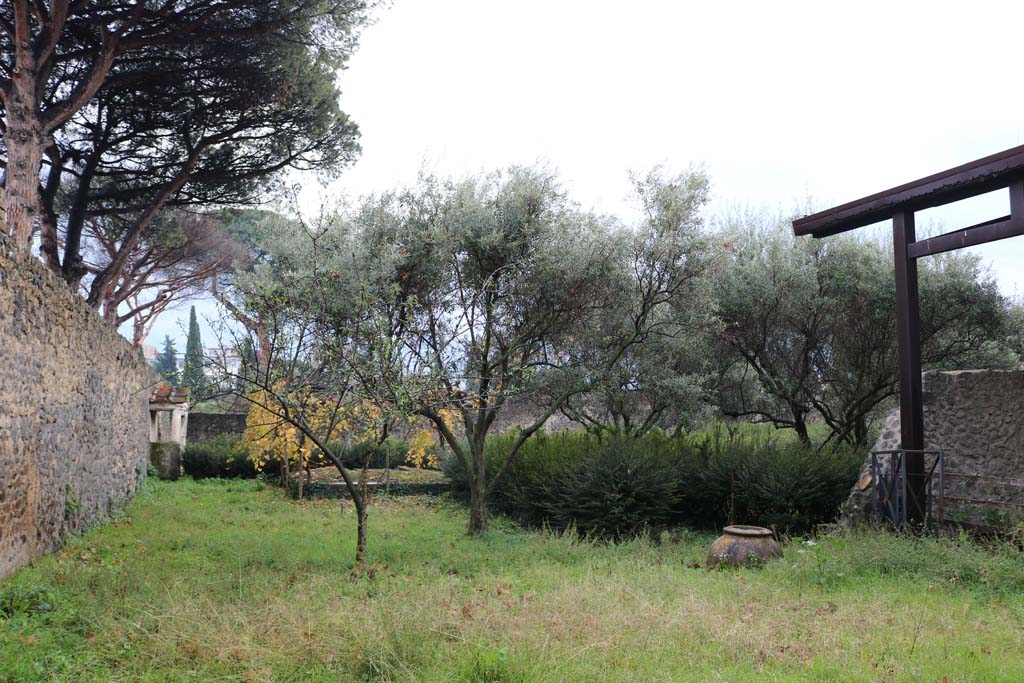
72 267
285 479
477 508
477 488
138 332
860 432
361 512
48 241
800 427
302 463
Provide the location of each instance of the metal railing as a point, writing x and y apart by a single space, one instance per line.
893 500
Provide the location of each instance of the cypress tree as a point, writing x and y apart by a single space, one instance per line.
166 363
192 374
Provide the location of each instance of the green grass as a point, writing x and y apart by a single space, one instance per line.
228 581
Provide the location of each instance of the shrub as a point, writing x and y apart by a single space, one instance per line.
610 488
622 488
224 457
618 486
354 456
736 476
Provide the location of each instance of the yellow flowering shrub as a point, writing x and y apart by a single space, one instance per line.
423 438
271 439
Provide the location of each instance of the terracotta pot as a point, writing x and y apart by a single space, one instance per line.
743 545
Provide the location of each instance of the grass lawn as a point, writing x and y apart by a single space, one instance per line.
228 581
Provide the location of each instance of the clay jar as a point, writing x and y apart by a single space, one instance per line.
743 545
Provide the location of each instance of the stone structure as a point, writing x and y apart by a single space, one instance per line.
165 456
206 426
74 412
168 415
976 418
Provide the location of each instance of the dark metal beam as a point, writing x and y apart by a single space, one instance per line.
977 177
982 233
908 329
1017 200
990 231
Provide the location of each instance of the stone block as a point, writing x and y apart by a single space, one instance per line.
165 456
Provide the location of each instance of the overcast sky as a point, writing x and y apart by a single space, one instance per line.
780 101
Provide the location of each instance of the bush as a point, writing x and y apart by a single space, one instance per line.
224 457
735 477
619 486
355 455
610 488
622 488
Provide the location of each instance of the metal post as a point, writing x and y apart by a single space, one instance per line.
903 507
876 496
908 327
942 489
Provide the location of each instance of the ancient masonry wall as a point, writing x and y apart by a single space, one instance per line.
74 412
976 418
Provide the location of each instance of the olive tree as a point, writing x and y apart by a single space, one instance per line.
309 338
649 355
455 300
494 276
809 327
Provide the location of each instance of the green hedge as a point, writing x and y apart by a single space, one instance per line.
620 486
333 489
354 455
223 457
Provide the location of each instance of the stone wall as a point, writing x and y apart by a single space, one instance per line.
205 426
74 412
976 418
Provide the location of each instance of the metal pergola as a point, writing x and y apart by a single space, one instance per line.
999 171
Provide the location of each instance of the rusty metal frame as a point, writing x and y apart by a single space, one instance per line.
895 500
1004 170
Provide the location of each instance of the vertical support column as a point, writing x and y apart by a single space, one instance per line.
184 426
1017 201
154 426
908 330
175 425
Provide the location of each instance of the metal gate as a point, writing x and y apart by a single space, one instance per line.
894 501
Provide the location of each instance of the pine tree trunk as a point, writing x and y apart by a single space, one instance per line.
24 140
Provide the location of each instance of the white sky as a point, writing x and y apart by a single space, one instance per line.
781 101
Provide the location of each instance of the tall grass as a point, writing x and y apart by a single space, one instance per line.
228 581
